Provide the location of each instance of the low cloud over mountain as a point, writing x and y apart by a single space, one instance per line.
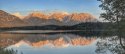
18 15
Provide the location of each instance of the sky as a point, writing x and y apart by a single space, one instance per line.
70 6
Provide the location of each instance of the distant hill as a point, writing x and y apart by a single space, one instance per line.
8 20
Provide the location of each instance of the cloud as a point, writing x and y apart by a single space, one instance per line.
18 15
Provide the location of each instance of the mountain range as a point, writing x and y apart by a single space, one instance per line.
41 19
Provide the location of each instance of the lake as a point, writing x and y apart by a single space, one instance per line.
60 42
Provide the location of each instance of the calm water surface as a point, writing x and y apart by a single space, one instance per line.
61 43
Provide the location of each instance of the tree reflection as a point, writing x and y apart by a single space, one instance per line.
7 51
112 44
7 40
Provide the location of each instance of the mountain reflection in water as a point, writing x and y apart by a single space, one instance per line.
60 43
